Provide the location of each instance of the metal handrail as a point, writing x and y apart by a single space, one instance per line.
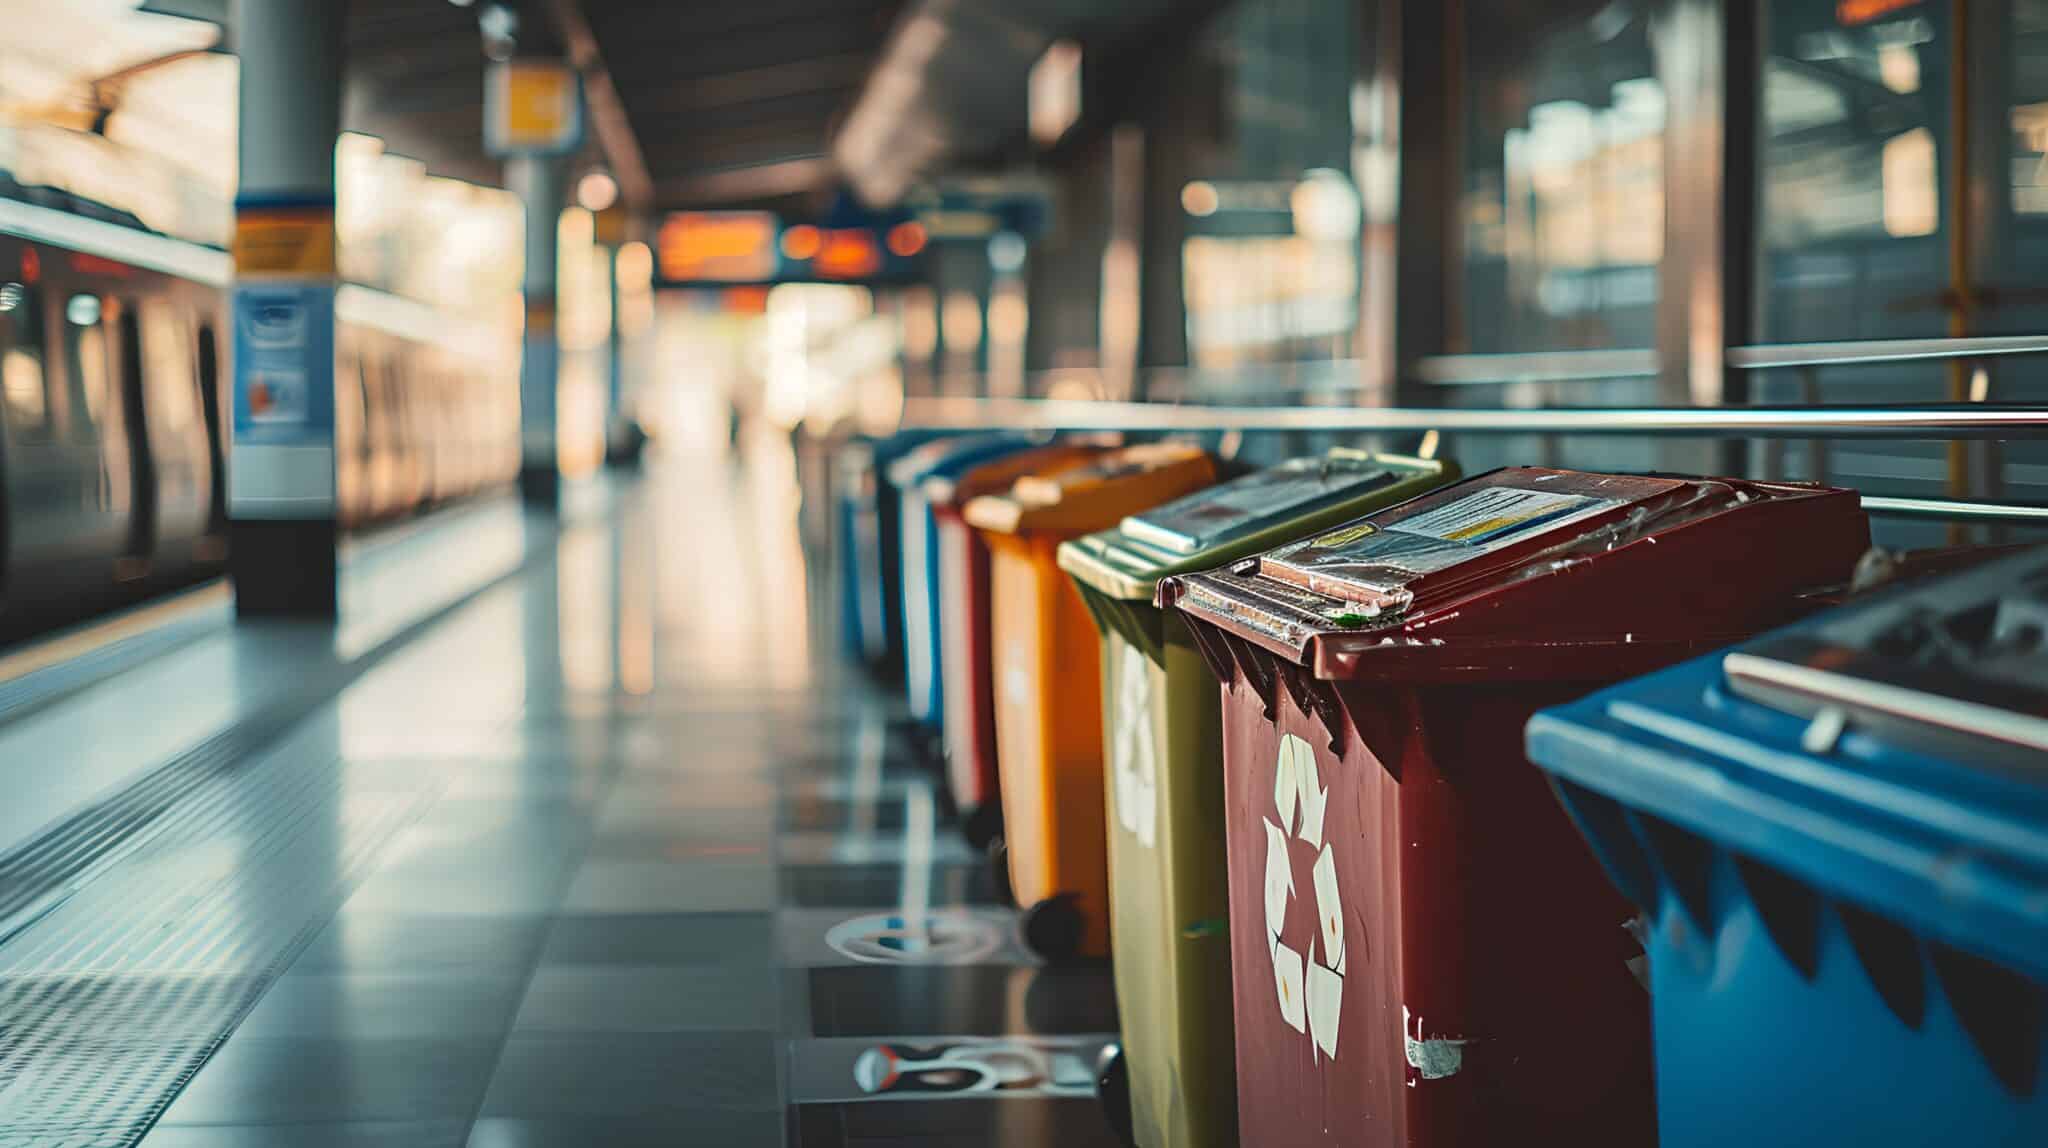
1867 351
1925 422
1536 367
1955 509
1590 366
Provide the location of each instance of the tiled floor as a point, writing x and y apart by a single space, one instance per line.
595 858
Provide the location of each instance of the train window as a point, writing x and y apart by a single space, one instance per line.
86 340
1563 211
167 362
23 384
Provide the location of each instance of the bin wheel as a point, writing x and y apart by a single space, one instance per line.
982 825
999 870
1052 928
1113 1089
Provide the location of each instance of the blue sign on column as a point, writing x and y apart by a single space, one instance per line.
284 363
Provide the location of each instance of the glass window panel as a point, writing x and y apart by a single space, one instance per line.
2014 298
1269 266
1852 210
1563 212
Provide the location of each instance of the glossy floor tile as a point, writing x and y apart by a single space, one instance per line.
587 840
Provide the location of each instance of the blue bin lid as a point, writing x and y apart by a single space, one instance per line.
1869 751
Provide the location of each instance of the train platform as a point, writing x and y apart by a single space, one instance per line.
574 833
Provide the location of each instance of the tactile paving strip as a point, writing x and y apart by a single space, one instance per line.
41 874
114 995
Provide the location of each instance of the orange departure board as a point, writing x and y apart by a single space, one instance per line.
718 247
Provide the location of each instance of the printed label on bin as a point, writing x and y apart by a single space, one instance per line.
1458 531
1211 517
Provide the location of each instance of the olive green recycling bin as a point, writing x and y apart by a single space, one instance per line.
1161 721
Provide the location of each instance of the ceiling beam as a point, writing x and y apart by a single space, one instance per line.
607 112
757 181
841 74
811 111
667 20
658 57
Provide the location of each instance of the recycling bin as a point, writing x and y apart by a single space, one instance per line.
1837 837
1378 805
968 694
945 458
869 547
1045 662
1161 719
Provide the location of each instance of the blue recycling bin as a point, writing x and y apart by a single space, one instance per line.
1837 835
943 459
870 596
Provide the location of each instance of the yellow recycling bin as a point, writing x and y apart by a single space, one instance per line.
1169 889
1046 669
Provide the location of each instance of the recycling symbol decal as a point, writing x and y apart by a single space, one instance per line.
1310 986
1135 759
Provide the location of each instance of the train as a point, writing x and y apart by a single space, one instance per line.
114 424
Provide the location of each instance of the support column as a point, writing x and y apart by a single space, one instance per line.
616 448
630 267
1710 81
540 183
1063 275
1426 54
281 492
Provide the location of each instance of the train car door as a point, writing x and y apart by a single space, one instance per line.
210 378
131 422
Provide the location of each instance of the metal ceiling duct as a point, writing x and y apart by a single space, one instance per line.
951 80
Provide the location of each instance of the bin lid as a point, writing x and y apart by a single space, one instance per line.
1095 496
999 474
1957 666
880 452
1235 518
1887 752
1524 557
950 456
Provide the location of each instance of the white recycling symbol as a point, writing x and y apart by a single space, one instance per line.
1135 761
1311 987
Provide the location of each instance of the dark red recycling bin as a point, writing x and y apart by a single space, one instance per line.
1423 951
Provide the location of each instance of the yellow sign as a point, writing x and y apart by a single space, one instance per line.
284 242
532 107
